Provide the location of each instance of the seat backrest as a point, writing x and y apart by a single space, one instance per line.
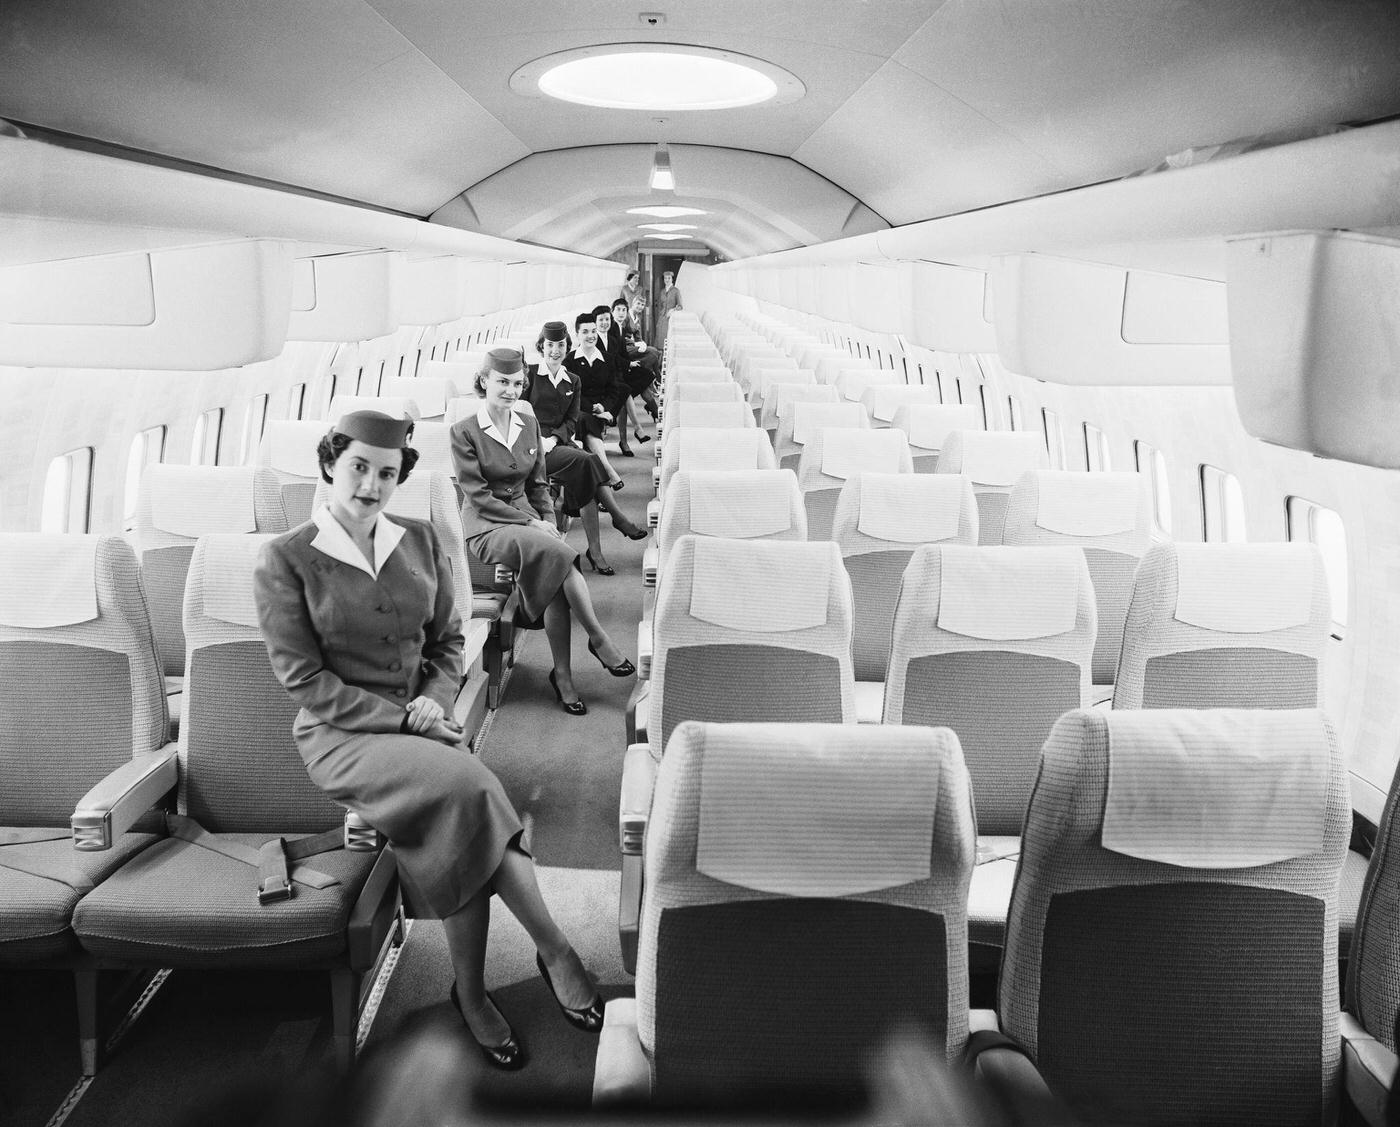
995 461
1109 515
79 674
174 507
1373 968
878 522
288 447
399 406
882 400
852 382
726 392
806 418
727 448
1225 626
751 630
1199 852
994 643
764 377
429 395
743 505
460 377
433 441
928 426
829 459
806 891
780 396
240 769
829 367
709 415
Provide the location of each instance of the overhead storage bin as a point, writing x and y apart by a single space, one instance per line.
1072 322
881 296
432 291
345 297
198 308
950 308
1315 342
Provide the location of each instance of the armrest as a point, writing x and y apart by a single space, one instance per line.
629 910
621 1073
656 476
1368 1070
1003 1069
360 836
108 810
638 712
654 511
638 782
475 633
651 564
644 650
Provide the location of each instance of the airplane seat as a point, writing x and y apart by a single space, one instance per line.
1369 1062
852 382
701 449
398 406
882 400
1202 848
879 520
1108 515
831 365
735 413
995 461
995 643
288 447
691 392
804 893
750 358
805 419
1225 626
765 377
928 426
782 393
222 890
428 395
832 455
175 506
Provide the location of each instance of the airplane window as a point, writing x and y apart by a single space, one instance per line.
296 400
68 492
1151 461
1054 439
982 398
208 429
1096 452
1222 506
1319 525
379 383
254 423
360 381
957 385
417 360
147 448
1013 412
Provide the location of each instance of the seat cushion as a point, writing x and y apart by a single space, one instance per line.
488 604
35 911
181 905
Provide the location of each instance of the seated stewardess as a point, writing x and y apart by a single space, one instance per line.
1225 626
994 643
288 447
880 519
697 449
1109 516
995 461
928 427
804 895
832 456
1201 848
780 396
806 420
882 400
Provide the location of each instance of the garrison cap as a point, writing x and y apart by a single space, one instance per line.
597 309
555 330
376 428
507 361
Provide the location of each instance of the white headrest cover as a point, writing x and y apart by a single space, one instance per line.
1088 504
788 394
428 394
741 505
907 508
929 424
50 579
1000 457
883 400
228 576
709 415
723 448
413 498
796 820
195 500
767 586
1009 593
1216 788
459 374
808 418
396 405
765 377
854 381
847 451
1244 588
291 446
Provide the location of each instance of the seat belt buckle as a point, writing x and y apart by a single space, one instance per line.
273 889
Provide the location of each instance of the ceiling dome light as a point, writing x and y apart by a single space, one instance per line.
666 212
656 77
667 226
666 237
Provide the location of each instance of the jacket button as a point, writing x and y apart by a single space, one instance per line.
400 692
382 608
390 638
394 666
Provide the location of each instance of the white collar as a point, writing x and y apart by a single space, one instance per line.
332 540
559 377
488 428
597 354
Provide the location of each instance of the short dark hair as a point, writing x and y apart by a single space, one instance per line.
631 274
585 318
622 301
333 444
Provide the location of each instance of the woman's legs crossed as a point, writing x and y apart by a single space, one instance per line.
581 603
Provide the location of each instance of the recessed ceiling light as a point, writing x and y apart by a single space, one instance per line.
667 226
667 237
660 76
666 212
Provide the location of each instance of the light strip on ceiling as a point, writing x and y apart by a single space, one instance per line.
665 212
666 226
662 179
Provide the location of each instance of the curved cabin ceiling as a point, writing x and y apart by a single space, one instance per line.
911 110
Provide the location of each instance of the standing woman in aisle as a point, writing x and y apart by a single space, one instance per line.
508 519
668 303
359 617
553 391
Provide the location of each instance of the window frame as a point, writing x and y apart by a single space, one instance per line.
76 468
1158 482
1306 531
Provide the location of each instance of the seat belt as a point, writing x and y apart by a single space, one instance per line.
273 859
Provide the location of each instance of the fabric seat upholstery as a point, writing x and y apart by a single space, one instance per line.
832 455
995 461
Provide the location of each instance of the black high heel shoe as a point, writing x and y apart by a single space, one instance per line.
616 485
589 1019
572 707
640 437
630 530
626 453
605 569
508 1056
623 669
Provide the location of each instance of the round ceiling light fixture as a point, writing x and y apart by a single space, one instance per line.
666 226
656 76
666 237
666 212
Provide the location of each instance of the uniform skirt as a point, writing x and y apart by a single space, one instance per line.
541 563
578 473
445 812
